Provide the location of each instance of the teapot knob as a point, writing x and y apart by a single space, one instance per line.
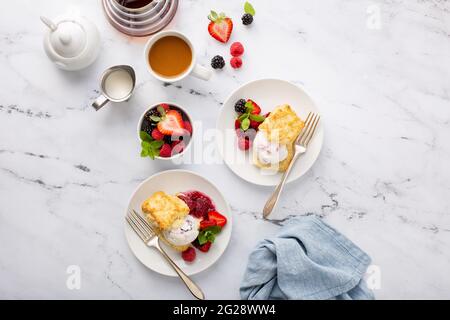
65 38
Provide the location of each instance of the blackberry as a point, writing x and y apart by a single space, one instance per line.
239 107
247 19
168 139
217 62
147 126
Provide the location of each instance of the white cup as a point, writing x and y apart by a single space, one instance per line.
195 69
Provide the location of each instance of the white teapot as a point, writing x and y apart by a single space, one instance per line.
72 42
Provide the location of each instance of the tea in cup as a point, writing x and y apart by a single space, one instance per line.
170 57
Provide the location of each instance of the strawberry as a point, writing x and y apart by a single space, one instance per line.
165 151
218 218
255 108
220 27
188 126
237 124
189 254
254 124
244 143
172 123
205 247
177 146
207 223
157 135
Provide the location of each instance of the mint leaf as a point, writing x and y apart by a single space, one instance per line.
145 145
145 136
161 111
245 124
155 118
202 238
243 116
213 229
248 8
213 16
144 153
257 117
208 234
156 144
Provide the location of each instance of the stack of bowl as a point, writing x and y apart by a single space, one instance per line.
140 17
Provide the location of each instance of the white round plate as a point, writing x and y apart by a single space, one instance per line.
268 94
172 182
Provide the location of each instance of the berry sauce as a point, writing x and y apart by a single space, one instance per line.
198 202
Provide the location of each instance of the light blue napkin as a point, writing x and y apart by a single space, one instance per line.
307 259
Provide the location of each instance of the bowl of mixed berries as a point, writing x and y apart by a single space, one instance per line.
165 131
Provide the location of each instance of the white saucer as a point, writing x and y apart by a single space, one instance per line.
268 94
172 182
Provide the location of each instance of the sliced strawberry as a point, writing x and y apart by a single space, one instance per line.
157 135
220 27
254 124
172 124
218 218
255 108
207 223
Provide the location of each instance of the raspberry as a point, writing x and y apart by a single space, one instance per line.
165 151
236 62
205 247
189 254
157 135
244 143
188 126
236 49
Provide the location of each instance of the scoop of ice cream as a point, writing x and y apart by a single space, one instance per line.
268 152
184 231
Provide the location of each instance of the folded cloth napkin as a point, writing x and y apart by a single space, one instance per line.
307 259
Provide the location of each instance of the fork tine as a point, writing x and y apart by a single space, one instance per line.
135 228
308 138
304 128
144 222
139 225
308 129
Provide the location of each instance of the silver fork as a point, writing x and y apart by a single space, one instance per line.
300 145
145 231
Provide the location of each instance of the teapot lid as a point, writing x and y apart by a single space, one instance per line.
68 38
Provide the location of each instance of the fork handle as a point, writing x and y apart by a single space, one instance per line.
193 288
272 201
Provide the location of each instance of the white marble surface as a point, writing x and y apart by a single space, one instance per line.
66 172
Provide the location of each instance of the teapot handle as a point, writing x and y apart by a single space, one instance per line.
49 23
